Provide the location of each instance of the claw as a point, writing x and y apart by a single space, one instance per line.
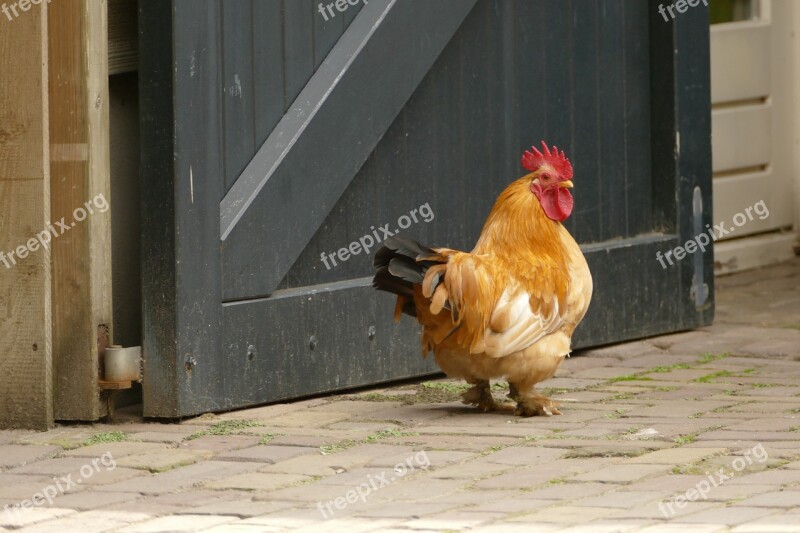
480 396
537 406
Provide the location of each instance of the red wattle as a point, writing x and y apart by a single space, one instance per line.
557 203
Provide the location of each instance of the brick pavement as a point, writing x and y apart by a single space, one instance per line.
696 431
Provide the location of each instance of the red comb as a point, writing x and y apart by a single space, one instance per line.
533 159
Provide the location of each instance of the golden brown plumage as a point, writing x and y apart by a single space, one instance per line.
508 308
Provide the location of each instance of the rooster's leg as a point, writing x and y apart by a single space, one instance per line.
529 403
480 395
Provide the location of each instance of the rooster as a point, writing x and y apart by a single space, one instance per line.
508 308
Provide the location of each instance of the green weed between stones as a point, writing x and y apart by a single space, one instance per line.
708 357
103 438
492 449
691 469
225 427
329 449
266 439
711 377
630 377
685 439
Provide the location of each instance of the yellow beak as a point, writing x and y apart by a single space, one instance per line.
566 184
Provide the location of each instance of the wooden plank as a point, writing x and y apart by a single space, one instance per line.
785 157
692 151
123 37
327 31
501 69
239 96
584 148
638 105
611 112
741 61
471 200
557 69
298 47
733 195
268 76
159 239
753 252
742 136
114 385
315 140
664 136
181 294
792 76
80 164
26 399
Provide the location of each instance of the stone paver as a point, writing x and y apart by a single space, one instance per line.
177 523
116 449
88 521
655 436
675 456
622 473
257 481
781 499
178 479
163 460
727 515
19 455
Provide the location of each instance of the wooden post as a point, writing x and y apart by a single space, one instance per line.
26 399
79 160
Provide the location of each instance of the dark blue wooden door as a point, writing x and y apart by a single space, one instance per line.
287 139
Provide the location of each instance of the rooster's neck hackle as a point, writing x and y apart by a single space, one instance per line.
518 231
517 223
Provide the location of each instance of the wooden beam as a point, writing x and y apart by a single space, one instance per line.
26 399
353 90
80 180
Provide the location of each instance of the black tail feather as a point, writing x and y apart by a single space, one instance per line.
399 269
399 245
385 281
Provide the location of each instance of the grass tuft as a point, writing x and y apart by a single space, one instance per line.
492 449
685 439
329 449
102 438
387 434
708 357
710 377
225 427
630 377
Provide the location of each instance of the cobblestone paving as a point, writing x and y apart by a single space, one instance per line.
692 432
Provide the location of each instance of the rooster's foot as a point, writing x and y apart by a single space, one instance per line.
536 405
480 395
